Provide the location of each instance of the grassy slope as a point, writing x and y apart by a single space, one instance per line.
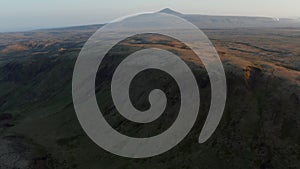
259 128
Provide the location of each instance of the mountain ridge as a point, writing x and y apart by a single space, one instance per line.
205 21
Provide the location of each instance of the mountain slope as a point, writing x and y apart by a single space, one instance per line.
259 129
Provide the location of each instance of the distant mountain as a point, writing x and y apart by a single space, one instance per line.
157 21
81 27
205 21
211 22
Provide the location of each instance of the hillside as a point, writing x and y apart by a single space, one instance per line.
259 129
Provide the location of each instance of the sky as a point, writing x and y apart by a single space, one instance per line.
22 15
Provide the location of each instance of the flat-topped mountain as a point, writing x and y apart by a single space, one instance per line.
211 21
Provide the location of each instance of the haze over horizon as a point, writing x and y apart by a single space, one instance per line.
34 14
